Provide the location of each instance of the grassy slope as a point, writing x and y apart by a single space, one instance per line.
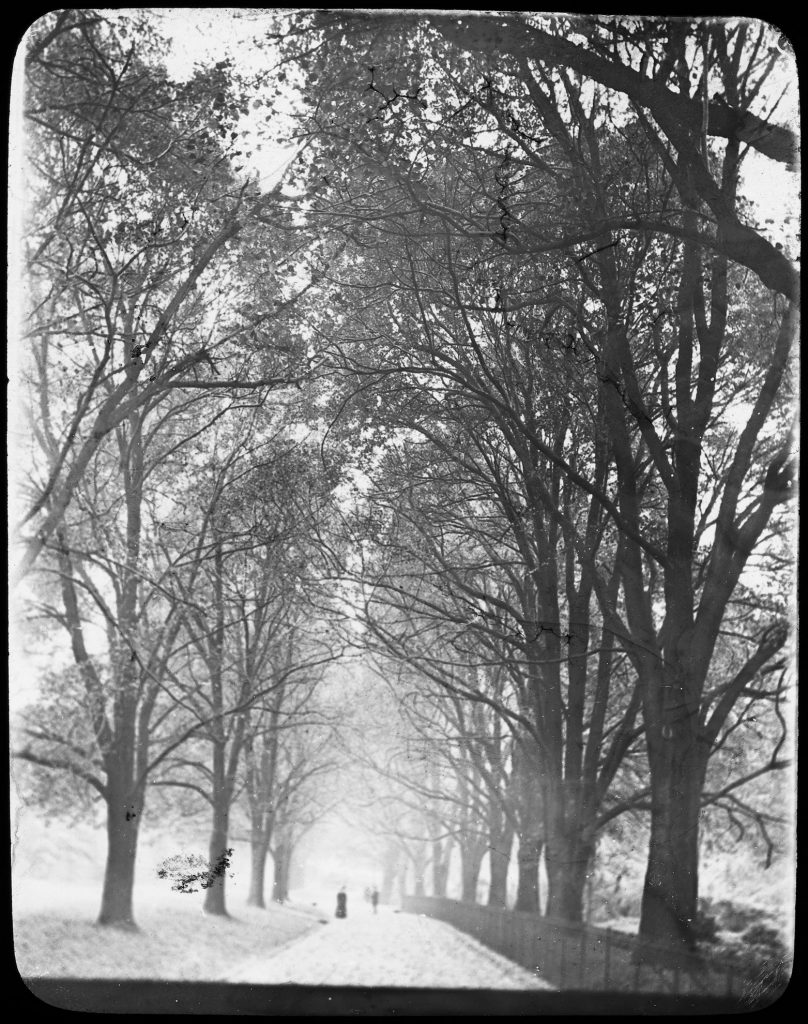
174 941
56 896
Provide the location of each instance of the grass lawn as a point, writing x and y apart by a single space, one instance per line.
55 934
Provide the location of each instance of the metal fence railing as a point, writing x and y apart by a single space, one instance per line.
580 957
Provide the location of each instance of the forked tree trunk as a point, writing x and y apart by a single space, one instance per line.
528 858
123 823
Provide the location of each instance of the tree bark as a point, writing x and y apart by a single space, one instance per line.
282 856
441 859
471 859
218 857
259 848
528 858
123 823
670 891
567 865
499 861
223 766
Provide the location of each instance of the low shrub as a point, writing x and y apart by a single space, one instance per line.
734 918
768 938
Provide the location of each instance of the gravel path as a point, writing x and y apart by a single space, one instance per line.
388 949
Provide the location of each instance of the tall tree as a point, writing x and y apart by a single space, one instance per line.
245 600
634 227
275 781
106 576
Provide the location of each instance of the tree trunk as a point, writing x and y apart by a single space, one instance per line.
259 847
499 860
389 873
529 802
419 864
220 794
123 823
567 863
471 859
441 859
670 892
528 857
440 879
218 857
280 883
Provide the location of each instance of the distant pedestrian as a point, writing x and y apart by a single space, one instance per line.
374 899
367 894
342 903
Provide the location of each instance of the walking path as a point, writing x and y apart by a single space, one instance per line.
388 949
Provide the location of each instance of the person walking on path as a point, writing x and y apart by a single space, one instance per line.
342 903
374 899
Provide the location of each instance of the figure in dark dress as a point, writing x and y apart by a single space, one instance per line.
342 903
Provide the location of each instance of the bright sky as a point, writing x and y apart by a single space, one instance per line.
209 35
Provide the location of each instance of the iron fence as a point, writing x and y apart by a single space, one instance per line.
582 957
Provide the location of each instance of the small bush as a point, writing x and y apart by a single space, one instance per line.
768 938
734 918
